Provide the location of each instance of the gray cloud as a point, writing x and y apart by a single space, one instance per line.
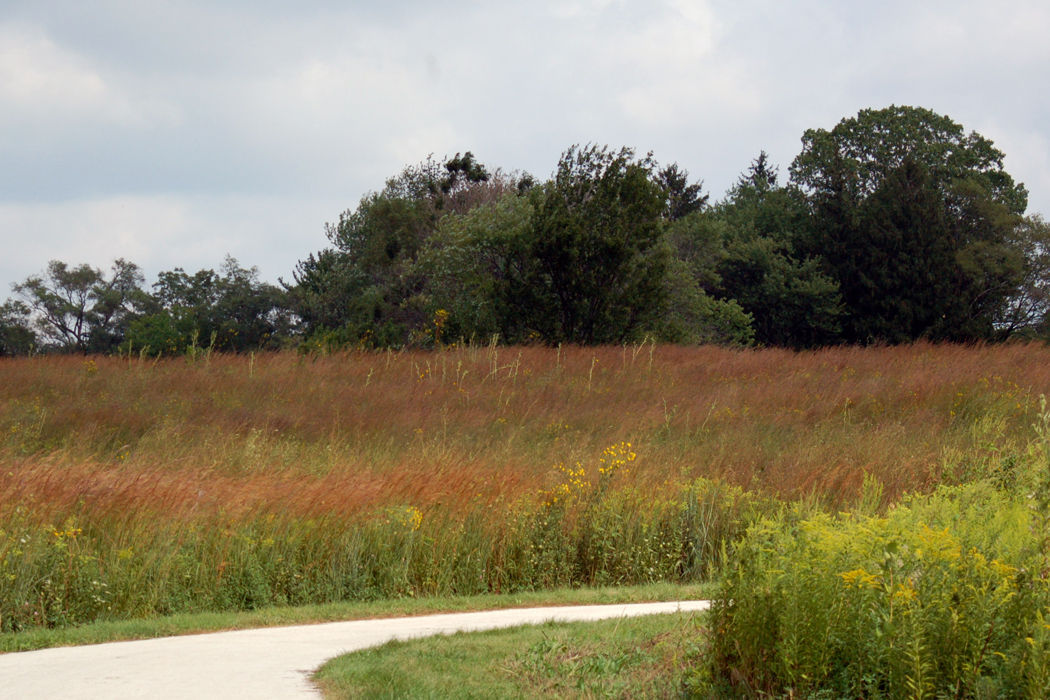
172 133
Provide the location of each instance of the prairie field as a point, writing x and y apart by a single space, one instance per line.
134 487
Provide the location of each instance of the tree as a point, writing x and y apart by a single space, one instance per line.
761 177
766 266
183 313
682 198
470 263
898 270
595 271
1025 312
118 300
460 173
61 298
325 287
366 285
692 316
862 150
912 218
249 313
80 308
232 310
16 333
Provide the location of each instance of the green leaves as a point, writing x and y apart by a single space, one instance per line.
80 308
927 600
913 220
877 141
599 268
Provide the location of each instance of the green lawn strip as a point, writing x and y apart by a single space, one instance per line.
629 657
118 630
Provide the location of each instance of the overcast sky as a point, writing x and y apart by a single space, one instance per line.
173 133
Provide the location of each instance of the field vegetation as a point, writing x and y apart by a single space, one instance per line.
135 487
629 658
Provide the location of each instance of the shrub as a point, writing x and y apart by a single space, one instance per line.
942 596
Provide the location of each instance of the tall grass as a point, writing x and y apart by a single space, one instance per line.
132 486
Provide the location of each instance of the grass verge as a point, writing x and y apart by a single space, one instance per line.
632 657
121 630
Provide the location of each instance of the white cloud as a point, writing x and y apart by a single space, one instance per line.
43 82
576 9
34 71
163 232
171 133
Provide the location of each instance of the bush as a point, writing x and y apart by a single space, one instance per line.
945 595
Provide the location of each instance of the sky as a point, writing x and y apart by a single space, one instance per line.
174 133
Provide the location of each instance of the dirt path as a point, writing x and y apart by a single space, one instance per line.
274 662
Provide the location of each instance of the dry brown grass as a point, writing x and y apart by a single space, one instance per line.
346 433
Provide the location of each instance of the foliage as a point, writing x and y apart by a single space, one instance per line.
765 267
594 264
232 311
861 151
913 219
579 532
16 333
682 198
470 262
692 316
1026 309
366 289
244 481
895 225
940 596
80 308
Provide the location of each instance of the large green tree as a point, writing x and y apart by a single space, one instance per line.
767 266
596 263
365 287
230 310
912 218
471 266
81 308
859 152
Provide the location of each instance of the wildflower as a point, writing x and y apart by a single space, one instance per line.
408 517
615 457
905 593
859 578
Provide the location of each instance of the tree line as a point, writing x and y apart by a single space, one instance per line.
895 225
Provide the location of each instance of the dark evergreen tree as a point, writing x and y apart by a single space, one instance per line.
897 270
683 198
768 267
912 218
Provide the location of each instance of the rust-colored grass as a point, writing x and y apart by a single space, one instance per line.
131 487
342 434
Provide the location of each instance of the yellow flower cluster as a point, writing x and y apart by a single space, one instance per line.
574 481
905 592
69 530
408 517
615 457
859 578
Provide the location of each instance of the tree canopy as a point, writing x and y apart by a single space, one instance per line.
894 225
913 219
